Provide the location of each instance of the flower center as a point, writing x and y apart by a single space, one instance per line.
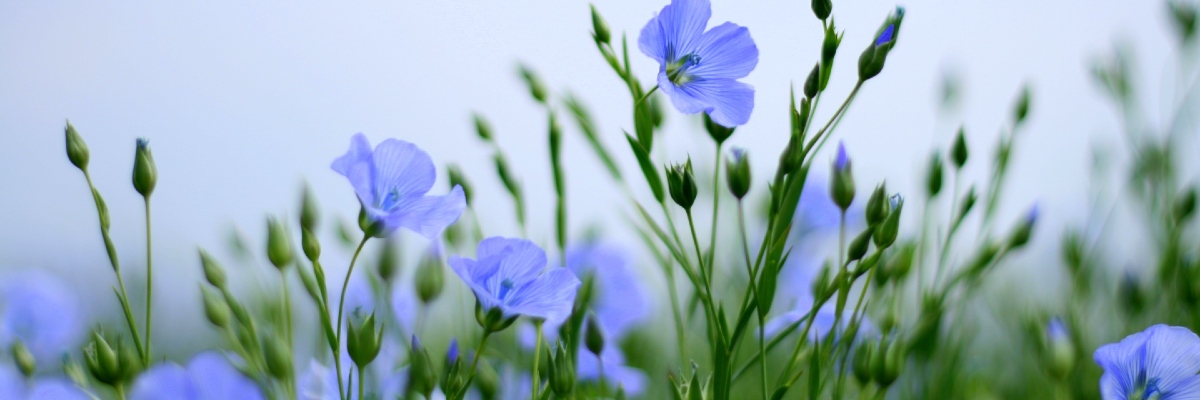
505 287
390 201
676 71
1146 389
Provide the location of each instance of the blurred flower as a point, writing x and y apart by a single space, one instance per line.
508 276
611 365
42 312
1158 363
320 383
698 70
14 386
208 376
618 297
392 182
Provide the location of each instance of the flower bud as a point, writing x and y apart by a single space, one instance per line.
430 279
737 170
389 259
457 178
562 371
23 358
310 214
213 273
813 84
933 181
822 8
1185 204
717 132
958 154
1073 250
829 49
968 202
595 336
145 175
889 359
841 184
487 381
1020 236
537 88
877 206
77 150
310 244
823 286
1132 296
310 284
858 246
861 364
452 374
682 184
1061 351
887 232
102 361
901 263
599 27
278 356
421 378
793 153
363 342
1021 108
482 127
215 308
279 245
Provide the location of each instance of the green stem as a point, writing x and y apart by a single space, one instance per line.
122 296
360 383
337 349
680 339
752 270
537 356
120 389
712 237
954 221
845 104
287 310
474 364
149 285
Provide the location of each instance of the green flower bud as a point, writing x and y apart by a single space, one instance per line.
457 178
452 373
1183 15
968 202
102 361
23 358
822 8
822 286
1185 204
716 131
492 320
877 206
793 154
813 84
841 184
213 273
858 246
737 173
595 336
829 49
958 154
278 356
888 360
861 364
77 150
933 181
363 342
682 184
887 232
431 278
1021 108
215 308
145 175
310 284
1061 350
537 88
562 371
482 127
1132 296
310 214
870 63
599 27
310 244
1024 230
487 381
901 263
421 378
389 259
1073 251
279 244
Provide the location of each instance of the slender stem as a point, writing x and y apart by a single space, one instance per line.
360 383
762 335
337 349
680 338
647 95
474 363
287 309
122 296
537 356
149 285
712 237
120 389
945 250
845 104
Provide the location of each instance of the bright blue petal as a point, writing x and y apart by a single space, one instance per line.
217 379
358 166
403 173
727 101
524 262
12 383
57 389
685 101
726 51
430 215
675 31
41 311
1173 356
475 274
164 381
550 297
620 301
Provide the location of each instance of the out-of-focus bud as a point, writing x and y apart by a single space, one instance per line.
889 359
310 213
389 259
279 244
452 375
430 279
595 335
959 153
877 206
599 28
841 184
1131 294
215 308
537 88
1072 251
310 244
102 361
23 358
310 284
482 127
717 132
1061 350
278 356
858 246
1183 14
861 363
822 8
213 273
901 263
682 184
656 112
562 371
829 48
1021 108
813 84
793 154
364 341
487 381
933 181
458 178
421 378
1021 235
968 202
823 285
145 175
1185 204
887 232
737 173
77 150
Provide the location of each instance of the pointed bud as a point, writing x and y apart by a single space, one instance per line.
215 308
430 278
717 132
421 378
737 170
968 202
822 8
1021 108
310 214
457 178
364 343
901 263
279 244
829 48
887 232
959 153
813 84
310 244
389 259
841 184
877 206
595 336
1061 351
213 273
278 356
871 62
1021 235
682 184
145 175
1183 14
823 285
933 181
562 371
1185 204
537 88
599 27
23 358
858 246
861 363
77 150
482 127
102 361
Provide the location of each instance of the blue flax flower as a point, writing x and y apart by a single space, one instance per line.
392 181
698 70
14 386
1159 363
508 276
42 312
208 376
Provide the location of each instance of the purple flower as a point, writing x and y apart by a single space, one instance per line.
42 312
14 386
698 70
508 276
619 299
611 364
1158 363
392 183
886 36
842 160
208 376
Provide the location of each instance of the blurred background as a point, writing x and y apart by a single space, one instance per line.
244 102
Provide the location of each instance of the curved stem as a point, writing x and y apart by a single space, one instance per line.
836 116
474 364
337 349
149 286
122 295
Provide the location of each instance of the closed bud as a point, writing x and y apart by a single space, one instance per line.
278 356
595 336
102 361
841 184
215 308
77 150
822 8
1132 296
877 206
737 170
145 175
793 154
1060 349
487 381
537 88
822 286
1073 251
719 133
968 202
310 284
213 273
389 259
890 356
887 232
1183 14
861 364
457 178
959 153
901 263
452 374
363 342
421 378
933 181
1185 204
858 246
1024 230
813 84
310 244
430 278
599 27
682 184
279 244
829 48
482 127
562 371
23 358
310 214
1021 108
